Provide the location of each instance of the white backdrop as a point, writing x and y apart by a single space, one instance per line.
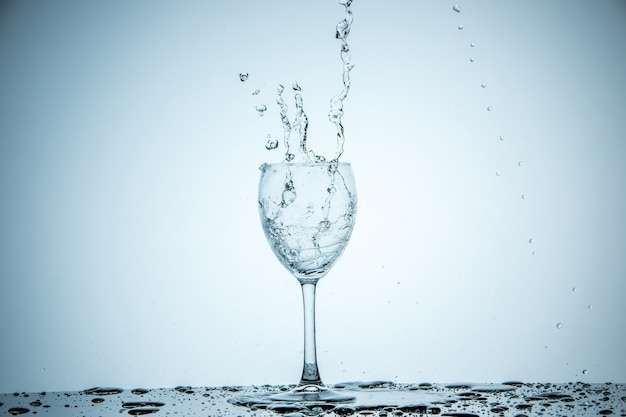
131 251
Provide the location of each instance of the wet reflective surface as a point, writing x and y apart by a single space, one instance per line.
376 398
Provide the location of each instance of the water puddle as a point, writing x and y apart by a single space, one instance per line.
373 398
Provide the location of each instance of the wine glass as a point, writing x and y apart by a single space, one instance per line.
307 211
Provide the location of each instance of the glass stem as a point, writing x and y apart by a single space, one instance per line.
310 373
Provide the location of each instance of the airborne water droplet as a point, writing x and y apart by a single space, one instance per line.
501 137
256 92
585 372
243 76
472 44
471 59
531 241
261 108
523 196
271 144
456 8
295 86
483 85
460 27
559 325
489 108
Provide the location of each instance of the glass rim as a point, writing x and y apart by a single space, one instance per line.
298 164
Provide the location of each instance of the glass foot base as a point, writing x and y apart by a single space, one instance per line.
312 393
300 398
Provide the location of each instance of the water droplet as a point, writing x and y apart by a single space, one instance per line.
471 59
519 163
489 108
589 306
574 289
243 76
256 92
559 325
523 196
456 8
472 44
483 85
295 86
261 108
16 411
497 173
501 136
271 144
585 372
140 391
460 27
103 391
138 404
531 241
97 400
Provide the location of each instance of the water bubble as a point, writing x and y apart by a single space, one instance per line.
489 108
243 76
460 27
456 8
261 108
289 196
256 92
295 86
483 85
271 144
559 325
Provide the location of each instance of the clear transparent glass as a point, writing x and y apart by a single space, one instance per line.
307 211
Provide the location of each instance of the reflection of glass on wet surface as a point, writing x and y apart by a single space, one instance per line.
378 398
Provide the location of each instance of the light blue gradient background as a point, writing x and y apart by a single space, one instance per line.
131 251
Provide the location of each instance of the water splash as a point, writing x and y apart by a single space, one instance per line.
295 132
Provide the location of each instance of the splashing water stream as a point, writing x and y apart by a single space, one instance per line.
295 132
